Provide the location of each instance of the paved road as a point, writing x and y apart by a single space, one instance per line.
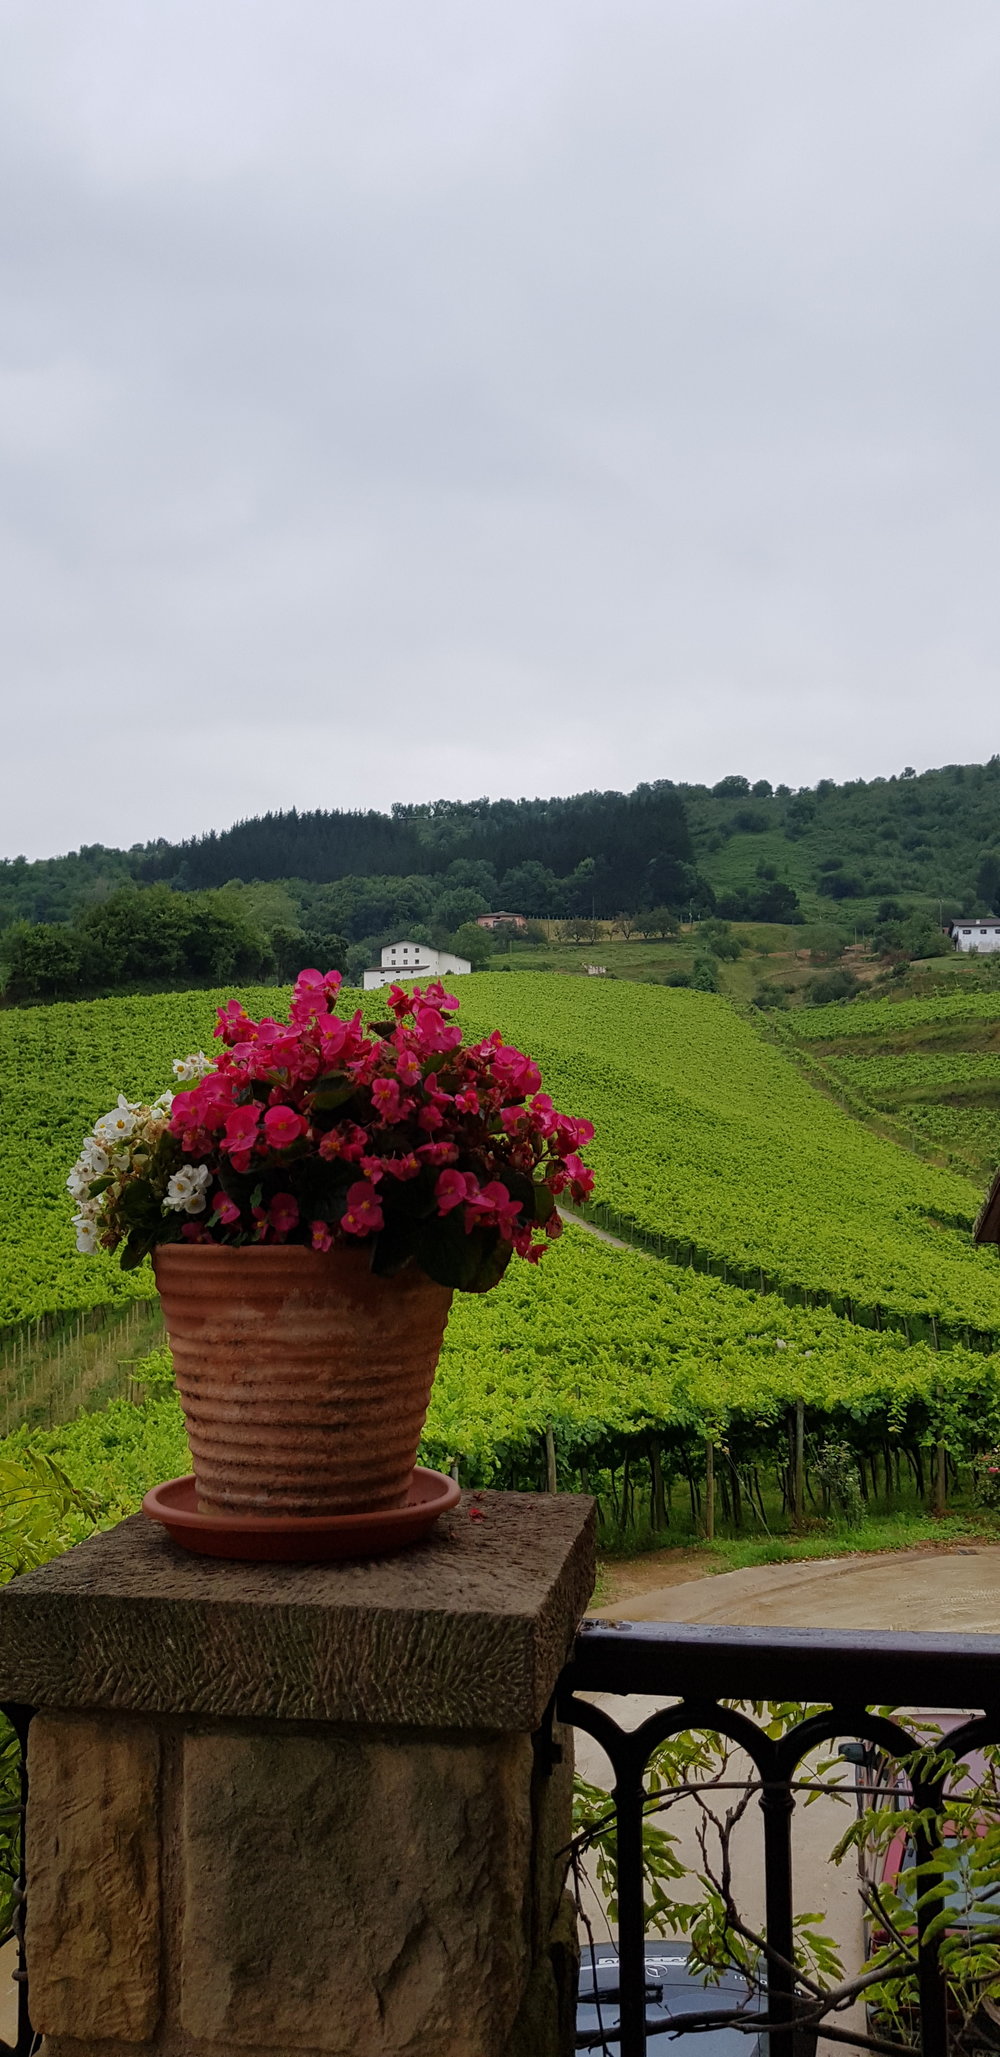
954 1590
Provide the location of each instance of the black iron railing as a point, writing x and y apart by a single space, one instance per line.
715 1680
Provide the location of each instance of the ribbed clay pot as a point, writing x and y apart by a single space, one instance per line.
304 1379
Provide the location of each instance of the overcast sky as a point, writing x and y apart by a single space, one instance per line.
404 398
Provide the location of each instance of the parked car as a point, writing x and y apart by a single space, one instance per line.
673 1987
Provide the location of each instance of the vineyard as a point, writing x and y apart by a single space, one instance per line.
800 1286
929 1070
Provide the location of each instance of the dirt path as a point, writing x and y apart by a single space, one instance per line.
603 1235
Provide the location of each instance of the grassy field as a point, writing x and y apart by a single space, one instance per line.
772 952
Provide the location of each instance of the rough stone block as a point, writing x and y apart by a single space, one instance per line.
93 1931
469 1629
357 1897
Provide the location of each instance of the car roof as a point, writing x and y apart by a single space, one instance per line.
673 1987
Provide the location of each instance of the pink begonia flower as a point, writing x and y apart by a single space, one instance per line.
225 1208
321 1237
441 1152
408 1068
434 1032
333 1035
233 1021
453 1187
345 1140
580 1176
400 1002
242 1128
386 1098
240 1160
372 1168
430 1119
492 1207
402 1167
467 1102
283 1213
437 997
283 1127
363 1215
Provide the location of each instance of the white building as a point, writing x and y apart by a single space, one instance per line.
414 961
976 935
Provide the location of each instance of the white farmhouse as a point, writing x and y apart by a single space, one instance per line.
976 935
414 961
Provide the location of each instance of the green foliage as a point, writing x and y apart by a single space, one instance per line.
477 945
835 1467
607 1348
136 939
837 985
704 976
986 1478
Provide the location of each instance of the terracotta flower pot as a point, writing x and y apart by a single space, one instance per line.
303 1378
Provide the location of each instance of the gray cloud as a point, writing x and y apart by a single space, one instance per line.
405 400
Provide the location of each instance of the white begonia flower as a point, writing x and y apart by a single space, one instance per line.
191 1067
186 1190
78 1183
117 1126
161 1107
85 1224
92 1159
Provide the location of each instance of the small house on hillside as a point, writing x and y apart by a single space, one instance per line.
982 934
412 961
503 920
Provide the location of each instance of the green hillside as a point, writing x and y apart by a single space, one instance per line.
842 1262
706 1133
933 837
926 1070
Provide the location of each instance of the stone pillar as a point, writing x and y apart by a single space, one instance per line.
302 1811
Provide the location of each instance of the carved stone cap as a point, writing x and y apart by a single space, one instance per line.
467 1630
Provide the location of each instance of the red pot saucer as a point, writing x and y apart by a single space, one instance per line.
300 1539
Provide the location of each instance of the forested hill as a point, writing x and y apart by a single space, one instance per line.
624 837
599 851
767 852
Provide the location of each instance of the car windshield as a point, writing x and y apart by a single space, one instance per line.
972 1902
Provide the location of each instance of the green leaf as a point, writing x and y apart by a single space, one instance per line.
334 1091
394 1247
468 1263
